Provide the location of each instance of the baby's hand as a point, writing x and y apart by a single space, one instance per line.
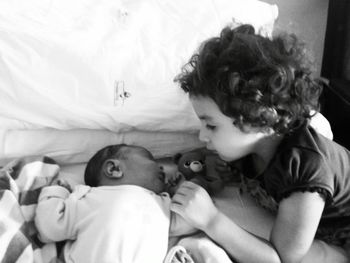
173 182
63 183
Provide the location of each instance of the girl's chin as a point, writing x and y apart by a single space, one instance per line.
222 157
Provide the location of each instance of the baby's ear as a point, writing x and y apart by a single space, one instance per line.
111 169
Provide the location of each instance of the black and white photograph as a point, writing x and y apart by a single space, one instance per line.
163 131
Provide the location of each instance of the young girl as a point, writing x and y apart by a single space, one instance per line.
254 97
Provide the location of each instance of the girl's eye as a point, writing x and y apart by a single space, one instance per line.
210 127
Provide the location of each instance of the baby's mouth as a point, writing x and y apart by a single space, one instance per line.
176 180
162 176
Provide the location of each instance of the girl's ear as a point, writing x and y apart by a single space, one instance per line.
111 169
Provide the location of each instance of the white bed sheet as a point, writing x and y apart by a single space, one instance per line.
107 64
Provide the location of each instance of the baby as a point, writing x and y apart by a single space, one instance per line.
122 214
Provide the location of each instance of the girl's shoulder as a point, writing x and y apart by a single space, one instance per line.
307 141
308 161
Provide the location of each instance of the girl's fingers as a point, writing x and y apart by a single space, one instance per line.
219 161
178 197
222 163
222 170
177 208
222 166
189 185
186 188
181 196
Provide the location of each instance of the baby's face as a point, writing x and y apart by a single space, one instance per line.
145 171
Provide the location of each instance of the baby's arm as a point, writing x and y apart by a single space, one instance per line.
55 214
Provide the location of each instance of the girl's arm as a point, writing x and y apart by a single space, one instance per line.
179 226
291 236
297 222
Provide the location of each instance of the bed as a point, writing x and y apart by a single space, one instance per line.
77 76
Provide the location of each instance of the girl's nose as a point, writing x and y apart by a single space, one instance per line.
203 136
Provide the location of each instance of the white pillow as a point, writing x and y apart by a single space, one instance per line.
322 125
78 145
107 64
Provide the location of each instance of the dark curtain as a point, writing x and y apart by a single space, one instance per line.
336 68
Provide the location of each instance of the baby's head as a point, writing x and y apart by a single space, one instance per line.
124 164
260 83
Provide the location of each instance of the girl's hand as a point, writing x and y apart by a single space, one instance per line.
194 204
228 171
223 169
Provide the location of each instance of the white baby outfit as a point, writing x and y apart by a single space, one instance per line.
123 224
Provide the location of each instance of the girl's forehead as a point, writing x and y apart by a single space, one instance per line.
206 108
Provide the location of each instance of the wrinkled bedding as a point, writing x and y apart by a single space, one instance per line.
22 179
20 183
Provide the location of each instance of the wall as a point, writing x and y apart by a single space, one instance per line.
306 18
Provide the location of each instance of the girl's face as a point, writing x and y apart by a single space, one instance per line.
219 133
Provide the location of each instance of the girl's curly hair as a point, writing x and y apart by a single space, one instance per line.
257 81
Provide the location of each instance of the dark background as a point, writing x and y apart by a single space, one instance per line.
325 27
336 69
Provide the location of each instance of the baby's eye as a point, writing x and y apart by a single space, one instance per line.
210 127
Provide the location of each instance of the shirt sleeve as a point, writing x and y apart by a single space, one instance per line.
302 170
55 214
